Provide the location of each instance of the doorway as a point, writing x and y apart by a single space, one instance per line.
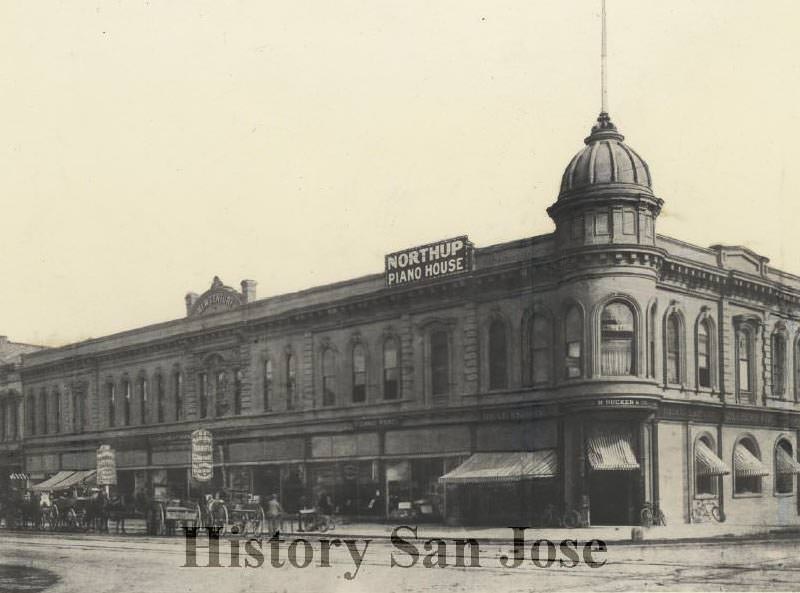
610 496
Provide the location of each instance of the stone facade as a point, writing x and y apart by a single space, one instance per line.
601 332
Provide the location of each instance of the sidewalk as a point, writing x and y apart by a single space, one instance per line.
621 534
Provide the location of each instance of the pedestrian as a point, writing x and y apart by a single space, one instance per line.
274 514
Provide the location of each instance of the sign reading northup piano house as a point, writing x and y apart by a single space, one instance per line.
427 262
202 455
106 466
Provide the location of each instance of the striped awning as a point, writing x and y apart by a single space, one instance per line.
18 476
785 463
611 451
707 462
504 467
52 481
747 465
76 479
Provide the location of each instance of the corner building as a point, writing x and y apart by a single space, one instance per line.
597 368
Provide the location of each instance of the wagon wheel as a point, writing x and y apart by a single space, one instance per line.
53 518
218 516
259 522
161 520
72 519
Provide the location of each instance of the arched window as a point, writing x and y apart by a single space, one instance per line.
391 369
44 411
111 399
291 381
785 467
541 348
328 378
359 374
202 393
707 467
744 358
617 340
237 392
56 410
159 379
651 336
778 364
267 384
703 354
748 469
440 363
126 402
144 400
177 392
673 348
30 414
221 407
573 337
498 355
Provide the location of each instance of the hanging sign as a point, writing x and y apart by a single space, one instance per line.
202 455
106 466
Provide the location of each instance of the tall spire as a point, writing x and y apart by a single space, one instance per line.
603 62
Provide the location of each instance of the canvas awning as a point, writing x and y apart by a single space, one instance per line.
785 463
747 465
18 476
707 462
504 467
76 479
52 481
611 451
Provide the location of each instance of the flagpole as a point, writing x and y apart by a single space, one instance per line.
603 62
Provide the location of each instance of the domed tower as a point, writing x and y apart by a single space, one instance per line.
606 194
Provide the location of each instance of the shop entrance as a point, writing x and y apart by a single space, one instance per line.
610 496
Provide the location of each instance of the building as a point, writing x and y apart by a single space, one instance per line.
11 409
599 367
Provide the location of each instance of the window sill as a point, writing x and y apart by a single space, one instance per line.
706 496
783 494
748 495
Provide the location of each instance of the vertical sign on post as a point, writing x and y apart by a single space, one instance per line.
106 466
202 455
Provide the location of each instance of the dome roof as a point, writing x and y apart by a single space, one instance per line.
605 159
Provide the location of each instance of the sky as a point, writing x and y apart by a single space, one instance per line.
146 147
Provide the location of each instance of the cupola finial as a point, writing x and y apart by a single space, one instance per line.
603 62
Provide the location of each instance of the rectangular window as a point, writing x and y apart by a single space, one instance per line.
177 385
601 223
57 412
359 375
391 370
577 227
628 223
440 363
43 405
237 392
202 392
144 401
778 365
267 384
159 399
111 395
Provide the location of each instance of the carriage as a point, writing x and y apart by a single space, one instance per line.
236 511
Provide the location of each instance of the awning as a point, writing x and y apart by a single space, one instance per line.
51 481
18 476
708 464
611 451
504 467
747 465
77 478
785 463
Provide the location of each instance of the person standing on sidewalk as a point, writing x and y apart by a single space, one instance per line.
274 512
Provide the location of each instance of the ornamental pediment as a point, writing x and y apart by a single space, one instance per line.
216 299
741 259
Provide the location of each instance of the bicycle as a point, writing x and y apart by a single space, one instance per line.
651 515
570 519
708 511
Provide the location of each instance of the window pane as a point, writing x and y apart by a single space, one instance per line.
391 372
541 349
616 331
778 364
573 330
498 375
328 378
673 350
440 363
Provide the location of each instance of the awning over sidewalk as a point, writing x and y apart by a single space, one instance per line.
747 465
65 479
785 463
18 476
611 451
76 479
504 467
708 464
51 481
